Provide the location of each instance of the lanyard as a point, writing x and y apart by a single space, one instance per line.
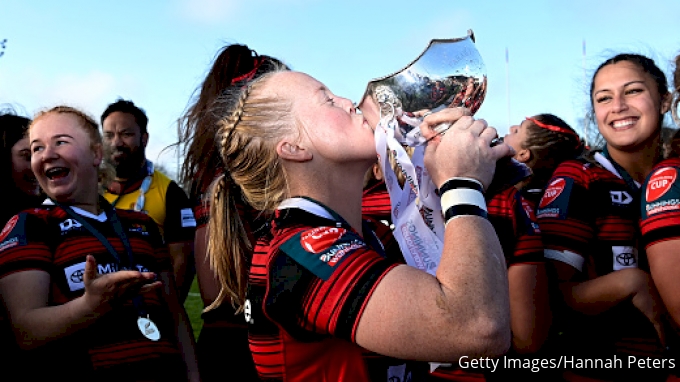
112 217
143 189
632 186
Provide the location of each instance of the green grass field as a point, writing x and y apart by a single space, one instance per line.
194 306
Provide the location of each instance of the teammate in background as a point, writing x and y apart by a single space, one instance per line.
140 187
542 142
320 290
23 191
223 342
589 220
89 289
660 225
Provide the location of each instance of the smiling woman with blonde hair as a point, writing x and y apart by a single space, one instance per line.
89 289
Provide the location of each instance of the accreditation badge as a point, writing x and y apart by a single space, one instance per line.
148 328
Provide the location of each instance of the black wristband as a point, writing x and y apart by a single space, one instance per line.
464 209
455 183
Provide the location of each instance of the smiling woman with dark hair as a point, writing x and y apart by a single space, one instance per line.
589 217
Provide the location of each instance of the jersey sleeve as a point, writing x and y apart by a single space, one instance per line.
320 281
180 224
529 245
515 224
23 245
201 210
565 215
660 213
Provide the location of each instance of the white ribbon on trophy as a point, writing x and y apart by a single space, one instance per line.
452 74
416 213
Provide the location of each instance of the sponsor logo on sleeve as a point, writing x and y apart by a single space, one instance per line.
659 183
9 227
552 192
657 196
555 200
320 238
337 252
187 217
529 210
9 243
321 249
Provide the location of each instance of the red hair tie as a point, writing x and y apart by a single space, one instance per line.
556 129
248 76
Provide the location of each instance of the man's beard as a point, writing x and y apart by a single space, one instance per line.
129 165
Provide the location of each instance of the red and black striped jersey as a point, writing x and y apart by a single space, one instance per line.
49 240
375 203
589 218
514 220
660 213
590 212
307 289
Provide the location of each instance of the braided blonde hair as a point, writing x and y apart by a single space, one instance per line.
252 173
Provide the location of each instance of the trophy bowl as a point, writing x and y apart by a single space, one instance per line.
448 73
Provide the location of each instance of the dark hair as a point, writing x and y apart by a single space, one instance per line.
643 62
125 106
676 91
648 66
234 66
550 147
13 127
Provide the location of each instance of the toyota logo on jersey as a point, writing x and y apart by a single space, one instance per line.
553 190
320 238
659 183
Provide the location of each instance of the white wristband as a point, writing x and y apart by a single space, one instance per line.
460 196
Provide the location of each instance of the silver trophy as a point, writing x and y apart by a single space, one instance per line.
448 73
